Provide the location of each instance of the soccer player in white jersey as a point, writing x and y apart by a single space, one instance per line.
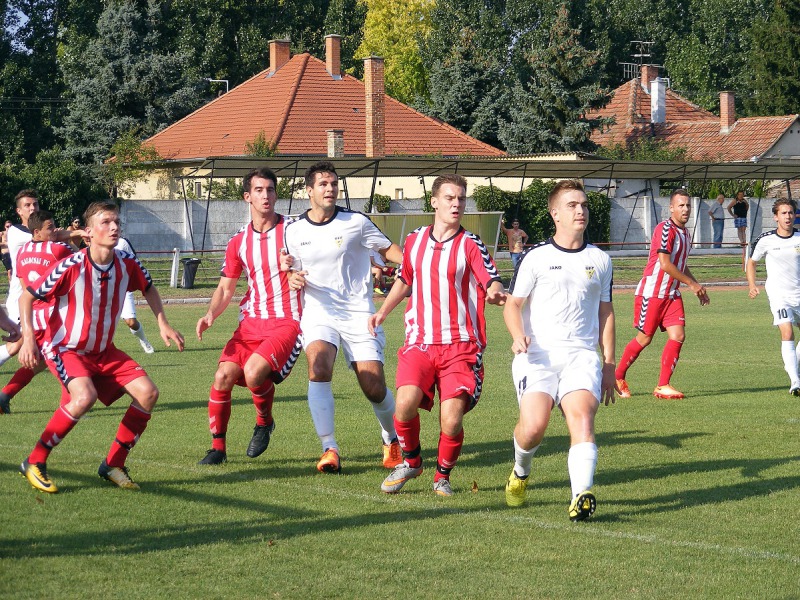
27 202
265 345
129 307
87 290
658 303
330 248
558 312
448 275
780 249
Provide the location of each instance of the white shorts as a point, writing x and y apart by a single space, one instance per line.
784 313
128 307
352 335
557 373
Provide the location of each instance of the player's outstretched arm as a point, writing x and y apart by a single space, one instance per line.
393 254
750 271
512 315
608 343
165 329
496 293
7 325
29 352
219 302
399 291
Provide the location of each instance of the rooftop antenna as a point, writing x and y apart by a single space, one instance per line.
641 55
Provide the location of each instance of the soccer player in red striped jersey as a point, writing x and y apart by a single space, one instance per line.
88 290
266 344
658 302
449 275
33 260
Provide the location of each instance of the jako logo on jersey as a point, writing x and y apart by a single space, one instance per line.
554 267
589 272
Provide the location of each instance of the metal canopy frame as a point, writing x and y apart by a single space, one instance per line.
583 168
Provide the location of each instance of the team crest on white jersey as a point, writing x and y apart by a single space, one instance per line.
589 272
338 241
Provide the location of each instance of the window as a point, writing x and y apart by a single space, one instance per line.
398 193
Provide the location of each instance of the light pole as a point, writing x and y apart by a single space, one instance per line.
225 81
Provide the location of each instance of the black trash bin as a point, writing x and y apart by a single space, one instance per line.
189 272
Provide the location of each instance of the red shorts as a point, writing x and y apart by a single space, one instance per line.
276 340
110 371
453 368
650 314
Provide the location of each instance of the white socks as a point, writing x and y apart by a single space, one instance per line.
4 355
320 403
139 333
581 463
523 459
790 361
385 413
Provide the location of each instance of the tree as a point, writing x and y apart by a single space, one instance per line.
130 161
346 18
773 74
393 29
548 109
122 79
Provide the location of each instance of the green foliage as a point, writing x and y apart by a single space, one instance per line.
530 207
548 109
346 18
426 203
130 162
393 30
644 150
773 74
260 147
381 202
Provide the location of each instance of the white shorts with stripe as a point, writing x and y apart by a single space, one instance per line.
557 373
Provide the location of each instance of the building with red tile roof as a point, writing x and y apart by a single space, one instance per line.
644 108
303 104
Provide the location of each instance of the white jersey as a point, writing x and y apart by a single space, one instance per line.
783 266
335 255
124 246
17 237
563 289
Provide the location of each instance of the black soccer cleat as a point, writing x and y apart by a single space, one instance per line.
214 457
260 440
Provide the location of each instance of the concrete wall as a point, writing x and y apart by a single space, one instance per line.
157 225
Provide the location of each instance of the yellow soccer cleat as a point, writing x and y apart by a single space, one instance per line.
582 506
36 474
118 476
515 490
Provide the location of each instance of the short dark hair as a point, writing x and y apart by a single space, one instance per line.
75 218
38 218
261 172
29 193
320 167
98 207
565 185
785 201
453 178
679 192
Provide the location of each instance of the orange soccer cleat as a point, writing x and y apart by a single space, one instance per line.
392 454
624 390
329 462
667 392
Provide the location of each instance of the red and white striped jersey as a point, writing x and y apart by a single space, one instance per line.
34 259
448 287
670 239
88 299
258 254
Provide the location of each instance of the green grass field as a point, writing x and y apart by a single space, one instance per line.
696 498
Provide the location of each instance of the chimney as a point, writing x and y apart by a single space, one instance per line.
658 101
727 111
646 74
278 55
333 52
375 145
335 143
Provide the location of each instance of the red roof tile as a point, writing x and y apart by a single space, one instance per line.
687 126
295 107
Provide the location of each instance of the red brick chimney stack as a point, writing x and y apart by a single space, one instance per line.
646 74
333 53
727 111
376 110
279 54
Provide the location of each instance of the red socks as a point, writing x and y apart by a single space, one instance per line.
669 360
219 413
629 356
449 451
130 429
408 436
60 424
262 398
20 379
